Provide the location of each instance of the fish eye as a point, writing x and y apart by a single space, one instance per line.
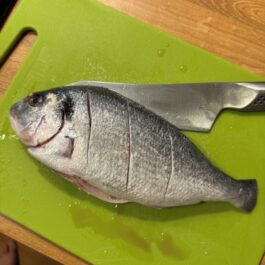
35 100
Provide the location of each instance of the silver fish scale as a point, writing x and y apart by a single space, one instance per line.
108 147
193 176
133 152
150 157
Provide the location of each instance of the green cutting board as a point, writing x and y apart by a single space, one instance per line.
84 40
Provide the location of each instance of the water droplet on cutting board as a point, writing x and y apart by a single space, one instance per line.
161 52
77 203
183 68
2 137
167 246
13 137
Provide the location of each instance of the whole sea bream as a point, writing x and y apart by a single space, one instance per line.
118 151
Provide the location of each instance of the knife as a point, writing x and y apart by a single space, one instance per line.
192 107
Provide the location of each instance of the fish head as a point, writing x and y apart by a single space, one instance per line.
52 124
38 118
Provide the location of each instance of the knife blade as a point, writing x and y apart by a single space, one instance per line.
192 107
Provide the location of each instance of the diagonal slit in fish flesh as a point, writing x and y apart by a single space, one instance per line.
172 160
90 124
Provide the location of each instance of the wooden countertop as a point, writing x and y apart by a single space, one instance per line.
232 29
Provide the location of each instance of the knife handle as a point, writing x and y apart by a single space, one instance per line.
258 103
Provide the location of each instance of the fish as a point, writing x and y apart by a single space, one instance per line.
121 152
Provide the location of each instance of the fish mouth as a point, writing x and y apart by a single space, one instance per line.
41 144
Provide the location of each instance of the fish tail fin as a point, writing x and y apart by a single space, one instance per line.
246 198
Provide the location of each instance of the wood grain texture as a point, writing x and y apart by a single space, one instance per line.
248 12
262 262
232 29
27 256
14 61
36 242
